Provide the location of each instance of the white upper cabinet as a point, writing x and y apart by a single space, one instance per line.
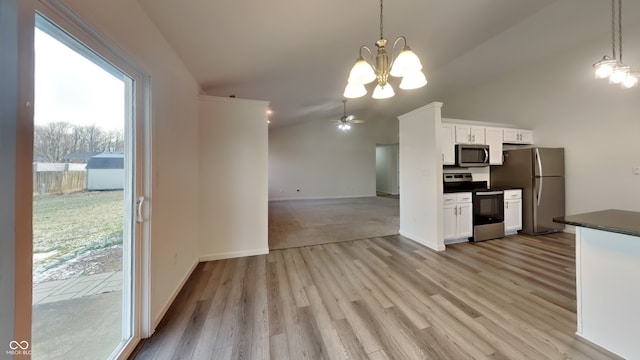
517 136
456 131
447 141
468 134
493 138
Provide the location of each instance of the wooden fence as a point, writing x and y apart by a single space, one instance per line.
60 179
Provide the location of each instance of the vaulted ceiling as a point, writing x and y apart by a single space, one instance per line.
297 54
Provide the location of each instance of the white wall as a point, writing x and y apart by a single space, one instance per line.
387 168
321 161
233 178
174 119
421 213
597 123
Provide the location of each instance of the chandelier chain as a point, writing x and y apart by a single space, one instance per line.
620 29
613 28
381 19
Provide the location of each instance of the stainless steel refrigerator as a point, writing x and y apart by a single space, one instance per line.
540 174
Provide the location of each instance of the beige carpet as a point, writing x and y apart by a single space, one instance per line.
297 223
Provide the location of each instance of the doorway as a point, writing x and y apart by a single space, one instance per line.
86 239
387 170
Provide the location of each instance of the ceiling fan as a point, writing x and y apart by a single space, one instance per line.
344 123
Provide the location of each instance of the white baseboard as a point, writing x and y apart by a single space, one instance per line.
234 254
421 241
323 197
172 298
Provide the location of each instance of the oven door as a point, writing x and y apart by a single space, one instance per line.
488 207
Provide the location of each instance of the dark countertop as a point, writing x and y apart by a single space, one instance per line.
617 221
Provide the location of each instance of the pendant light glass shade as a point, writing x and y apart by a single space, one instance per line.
353 91
414 80
406 63
619 74
361 73
604 68
383 92
631 80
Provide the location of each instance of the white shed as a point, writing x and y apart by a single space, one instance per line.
105 171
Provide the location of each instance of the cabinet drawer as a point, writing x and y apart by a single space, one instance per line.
462 198
512 194
449 198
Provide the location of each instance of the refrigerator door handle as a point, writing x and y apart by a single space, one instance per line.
539 163
540 190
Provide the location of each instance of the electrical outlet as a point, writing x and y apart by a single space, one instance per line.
635 170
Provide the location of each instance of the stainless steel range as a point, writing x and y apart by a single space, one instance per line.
488 205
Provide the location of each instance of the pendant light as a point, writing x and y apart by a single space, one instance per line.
406 65
612 67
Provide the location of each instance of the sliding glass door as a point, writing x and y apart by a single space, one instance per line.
86 210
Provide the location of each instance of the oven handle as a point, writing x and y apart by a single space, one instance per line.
482 193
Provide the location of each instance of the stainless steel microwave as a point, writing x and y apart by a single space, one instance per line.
472 155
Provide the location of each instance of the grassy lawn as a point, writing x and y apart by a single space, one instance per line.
65 226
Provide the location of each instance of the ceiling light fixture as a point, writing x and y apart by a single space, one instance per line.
406 65
612 67
344 123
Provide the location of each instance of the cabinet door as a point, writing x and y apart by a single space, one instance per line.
510 136
493 138
450 217
477 135
463 134
518 136
448 144
465 220
512 216
526 137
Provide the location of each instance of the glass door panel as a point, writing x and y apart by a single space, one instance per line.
83 186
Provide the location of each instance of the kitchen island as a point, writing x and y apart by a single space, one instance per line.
608 279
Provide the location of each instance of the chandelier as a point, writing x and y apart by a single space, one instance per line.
406 65
613 67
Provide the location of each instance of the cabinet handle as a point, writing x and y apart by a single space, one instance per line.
506 204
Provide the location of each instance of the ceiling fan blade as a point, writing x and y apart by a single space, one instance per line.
350 117
356 121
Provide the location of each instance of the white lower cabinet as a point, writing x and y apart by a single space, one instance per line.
512 211
458 217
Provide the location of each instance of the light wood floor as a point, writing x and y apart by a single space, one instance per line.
381 298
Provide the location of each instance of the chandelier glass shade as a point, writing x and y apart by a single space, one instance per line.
613 68
406 65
